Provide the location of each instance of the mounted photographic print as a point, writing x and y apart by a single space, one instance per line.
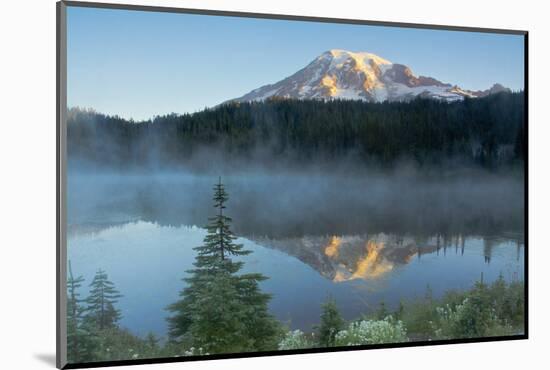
235 184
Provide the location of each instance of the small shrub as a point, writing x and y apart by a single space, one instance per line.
295 340
372 332
470 319
331 324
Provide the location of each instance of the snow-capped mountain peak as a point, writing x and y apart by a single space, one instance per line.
362 59
342 74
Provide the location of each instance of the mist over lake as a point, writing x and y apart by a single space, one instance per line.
317 201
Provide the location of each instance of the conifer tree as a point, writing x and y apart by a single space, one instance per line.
331 323
219 242
80 341
101 311
262 328
220 311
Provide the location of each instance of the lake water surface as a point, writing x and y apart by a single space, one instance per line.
311 241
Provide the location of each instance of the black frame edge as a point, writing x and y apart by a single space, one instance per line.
162 360
526 180
288 17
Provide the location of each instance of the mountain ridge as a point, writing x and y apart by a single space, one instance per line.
342 74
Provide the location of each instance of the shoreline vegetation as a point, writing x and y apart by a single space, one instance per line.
223 311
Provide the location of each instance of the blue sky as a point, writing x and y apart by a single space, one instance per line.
140 64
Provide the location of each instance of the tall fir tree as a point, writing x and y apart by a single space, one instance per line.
101 311
263 329
80 340
331 323
219 310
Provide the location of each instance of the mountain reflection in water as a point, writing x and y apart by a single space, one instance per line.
345 258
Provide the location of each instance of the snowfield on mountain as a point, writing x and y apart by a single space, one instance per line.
341 74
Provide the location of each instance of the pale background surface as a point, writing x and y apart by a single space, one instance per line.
27 204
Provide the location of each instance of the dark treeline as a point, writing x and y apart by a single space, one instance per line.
484 131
